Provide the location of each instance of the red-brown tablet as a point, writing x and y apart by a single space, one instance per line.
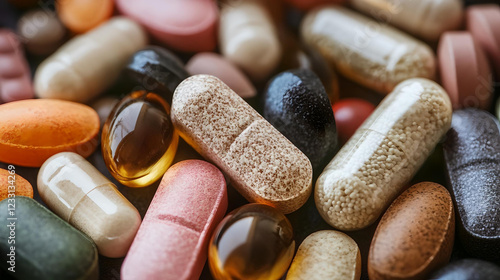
483 22
465 73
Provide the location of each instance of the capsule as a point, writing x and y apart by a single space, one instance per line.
369 53
261 163
46 247
254 241
468 269
87 64
426 19
249 38
326 254
383 155
78 193
472 155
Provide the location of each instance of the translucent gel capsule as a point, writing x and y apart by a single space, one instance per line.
138 140
254 241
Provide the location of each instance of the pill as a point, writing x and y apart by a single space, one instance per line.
472 155
415 235
296 104
139 141
103 106
350 113
482 23
326 254
157 70
34 130
248 38
309 4
78 193
12 185
254 241
41 31
218 66
371 169
261 163
15 77
426 19
172 241
87 64
80 16
465 73
46 247
468 269
371 54
188 26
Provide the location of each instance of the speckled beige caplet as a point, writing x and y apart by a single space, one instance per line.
326 254
383 155
261 163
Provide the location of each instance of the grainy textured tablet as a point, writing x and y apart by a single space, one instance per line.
262 164
383 155
13 184
326 254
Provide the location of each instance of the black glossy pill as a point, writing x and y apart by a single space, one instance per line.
468 269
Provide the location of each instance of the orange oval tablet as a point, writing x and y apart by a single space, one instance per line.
80 16
34 130
12 183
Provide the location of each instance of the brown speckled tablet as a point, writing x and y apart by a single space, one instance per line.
415 236
262 164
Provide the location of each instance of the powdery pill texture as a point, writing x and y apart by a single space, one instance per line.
383 155
262 164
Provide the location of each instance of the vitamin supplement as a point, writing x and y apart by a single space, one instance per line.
472 155
378 58
172 242
87 64
427 19
261 163
78 193
254 241
216 65
468 269
157 70
350 113
103 107
482 23
415 235
138 140
13 184
41 31
326 254
296 104
188 26
15 78
80 16
34 130
465 73
382 156
309 4
46 247
249 38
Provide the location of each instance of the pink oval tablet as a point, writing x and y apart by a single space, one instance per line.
483 22
173 238
465 73
188 26
216 65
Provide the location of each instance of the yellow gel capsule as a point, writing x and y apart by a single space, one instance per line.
139 141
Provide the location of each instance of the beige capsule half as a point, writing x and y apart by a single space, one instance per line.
262 164
326 254
383 155
370 53
87 64
78 193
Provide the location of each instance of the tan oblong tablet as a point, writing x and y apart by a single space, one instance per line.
262 164
87 64
78 193
326 254
383 155
372 54
415 235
